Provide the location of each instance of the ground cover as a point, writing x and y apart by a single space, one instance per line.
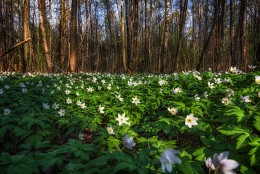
103 123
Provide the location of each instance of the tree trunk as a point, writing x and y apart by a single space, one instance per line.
133 60
63 33
42 13
123 35
128 38
164 55
231 34
183 7
207 41
73 36
26 33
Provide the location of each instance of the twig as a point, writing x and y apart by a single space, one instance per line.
15 46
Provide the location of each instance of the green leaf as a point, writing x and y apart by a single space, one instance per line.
257 123
236 111
233 131
125 166
164 120
241 139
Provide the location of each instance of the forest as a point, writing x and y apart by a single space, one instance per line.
128 36
130 86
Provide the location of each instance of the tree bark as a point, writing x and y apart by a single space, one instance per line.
164 56
63 33
42 13
133 60
123 35
183 5
73 36
26 33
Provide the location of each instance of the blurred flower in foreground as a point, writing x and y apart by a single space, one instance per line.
110 130
221 162
191 120
169 157
257 79
129 142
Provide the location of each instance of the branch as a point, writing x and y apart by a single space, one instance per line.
15 46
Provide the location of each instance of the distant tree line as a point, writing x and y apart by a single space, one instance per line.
128 36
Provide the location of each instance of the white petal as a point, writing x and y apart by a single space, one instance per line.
228 165
168 167
163 167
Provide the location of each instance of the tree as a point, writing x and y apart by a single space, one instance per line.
73 36
133 59
165 37
26 33
123 35
64 8
183 12
42 14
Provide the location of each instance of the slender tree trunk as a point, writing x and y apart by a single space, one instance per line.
63 33
26 33
133 60
86 35
128 38
73 36
184 4
164 56
231 34
207 41
243 44
42 13
123 35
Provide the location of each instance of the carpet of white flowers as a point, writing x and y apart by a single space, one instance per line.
187 122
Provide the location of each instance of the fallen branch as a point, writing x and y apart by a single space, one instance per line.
15 46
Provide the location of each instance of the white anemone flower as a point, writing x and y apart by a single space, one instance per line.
110 130
62 112
173 111
233 70
135 100
68 101
169 157
176 90
129 142
197 97
246 99
7 111
257 80
101 109
55 106
210 164
191 120
211 85
226 101
122 119
46 106
221 162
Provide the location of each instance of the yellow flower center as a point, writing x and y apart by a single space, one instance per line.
189 120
